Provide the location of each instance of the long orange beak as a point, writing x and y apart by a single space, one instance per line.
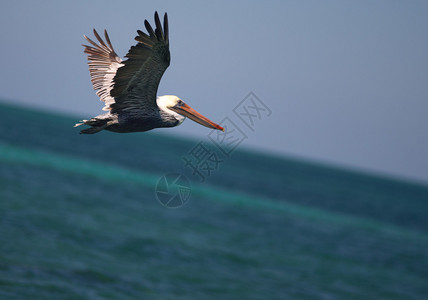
187 111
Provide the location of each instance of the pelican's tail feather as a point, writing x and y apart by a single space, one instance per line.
91 130
97 124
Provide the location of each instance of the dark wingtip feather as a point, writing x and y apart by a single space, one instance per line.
158 31
165 27
149 29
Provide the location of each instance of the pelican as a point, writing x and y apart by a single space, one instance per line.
128 88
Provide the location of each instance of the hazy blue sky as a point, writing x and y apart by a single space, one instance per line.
347 81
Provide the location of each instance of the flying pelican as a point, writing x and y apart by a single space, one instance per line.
128 88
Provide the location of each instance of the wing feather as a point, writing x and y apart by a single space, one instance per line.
149 29
165 26
103 64
137 81
159 31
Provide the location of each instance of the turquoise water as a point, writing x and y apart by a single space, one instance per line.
79 220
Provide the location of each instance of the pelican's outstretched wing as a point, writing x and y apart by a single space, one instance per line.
136 83
103 64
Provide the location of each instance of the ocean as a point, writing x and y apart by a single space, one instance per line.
124 216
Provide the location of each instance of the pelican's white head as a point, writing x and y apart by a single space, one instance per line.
165 102
174 106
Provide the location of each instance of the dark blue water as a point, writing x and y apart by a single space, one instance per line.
79 219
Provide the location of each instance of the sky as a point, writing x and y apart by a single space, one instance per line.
346 81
